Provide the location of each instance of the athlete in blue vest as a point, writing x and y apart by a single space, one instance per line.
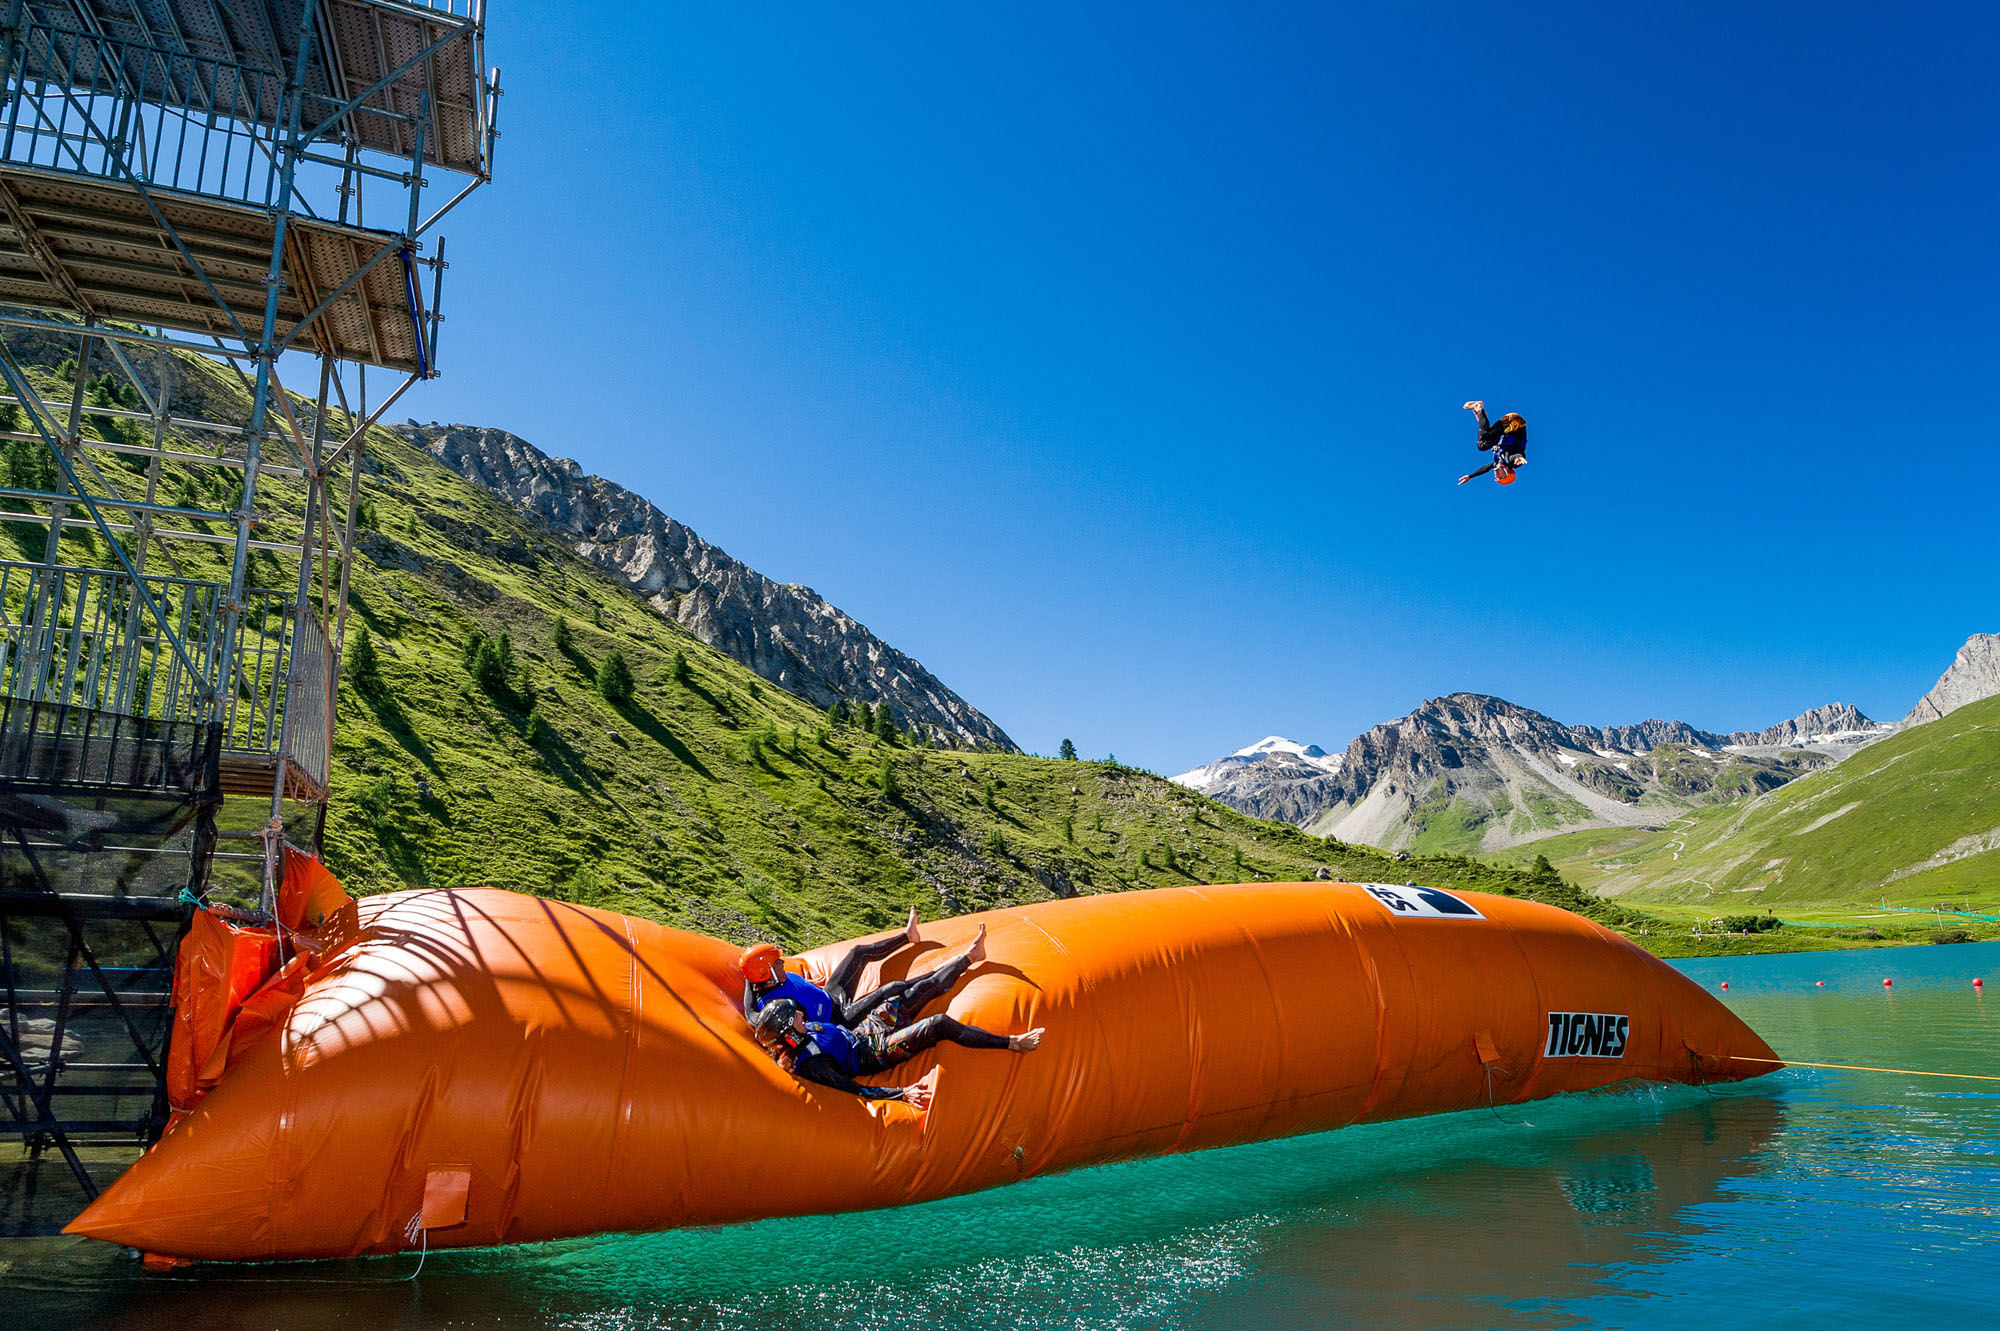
765 978
834 1056
1506 439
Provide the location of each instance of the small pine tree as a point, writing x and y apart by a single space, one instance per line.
892 789
832 717
1167 857
681 672
597 615
823 737
1097 821
988 799
1544 871
885 724
538 731
1236 860
864 717
489 666
1145 859
364 665
565 635
995 843
469 649
1069 828
1067 752
837 714
614 679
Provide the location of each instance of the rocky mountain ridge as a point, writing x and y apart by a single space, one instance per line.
1973 674
787 633
1470 772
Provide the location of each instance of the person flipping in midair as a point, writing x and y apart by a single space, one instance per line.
1506 439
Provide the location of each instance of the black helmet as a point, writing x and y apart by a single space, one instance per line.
776 1017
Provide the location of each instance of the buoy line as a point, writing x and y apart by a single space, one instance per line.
1852 1067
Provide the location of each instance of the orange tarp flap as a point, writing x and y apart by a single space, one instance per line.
445 1190
310 895
219 965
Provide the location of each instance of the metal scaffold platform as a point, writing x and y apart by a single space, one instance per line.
196 196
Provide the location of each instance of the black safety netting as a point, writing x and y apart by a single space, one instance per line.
105 822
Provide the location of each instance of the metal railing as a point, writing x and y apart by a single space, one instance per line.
122 110
84 638
308 714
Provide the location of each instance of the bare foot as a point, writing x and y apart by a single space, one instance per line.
1025 1041
1475 405
976 952
910 929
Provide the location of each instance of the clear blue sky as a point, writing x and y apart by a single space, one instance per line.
1110 362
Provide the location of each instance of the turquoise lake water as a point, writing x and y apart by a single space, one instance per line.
1806 1198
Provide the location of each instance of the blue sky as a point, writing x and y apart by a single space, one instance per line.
1109 361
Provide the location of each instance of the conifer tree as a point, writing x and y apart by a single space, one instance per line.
681 672
885 724
1068 751
614 678
565 636
864 717
364 666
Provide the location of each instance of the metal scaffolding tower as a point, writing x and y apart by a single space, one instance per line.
194 196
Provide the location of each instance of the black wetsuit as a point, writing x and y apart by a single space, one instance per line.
1508 447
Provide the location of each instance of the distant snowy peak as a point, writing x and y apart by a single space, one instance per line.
1275 744
1274 778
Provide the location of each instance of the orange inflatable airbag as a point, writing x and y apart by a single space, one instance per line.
502 1068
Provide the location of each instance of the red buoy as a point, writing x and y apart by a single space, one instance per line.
1819 984
1978 983
1725 984
1888 984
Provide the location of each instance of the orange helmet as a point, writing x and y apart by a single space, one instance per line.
759 961
1504 475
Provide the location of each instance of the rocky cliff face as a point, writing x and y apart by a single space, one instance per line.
1836 725
1974 674
788 634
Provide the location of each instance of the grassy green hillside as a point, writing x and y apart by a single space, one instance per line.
1907 824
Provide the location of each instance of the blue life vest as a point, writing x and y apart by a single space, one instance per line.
837 1043
817 1003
